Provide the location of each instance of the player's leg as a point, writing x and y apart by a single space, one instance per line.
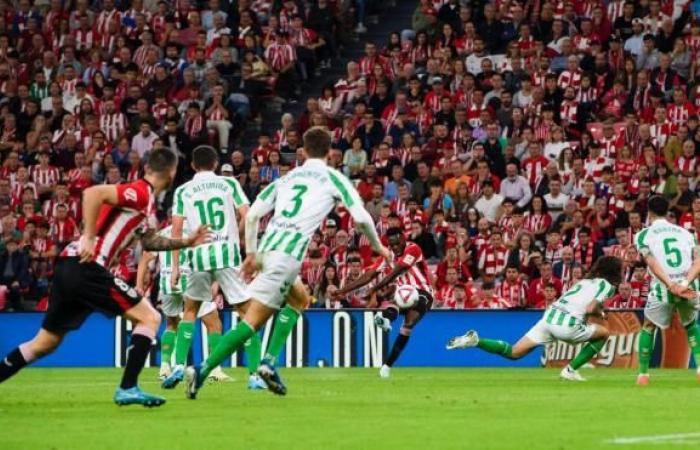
413 316
538 335
253 354
209 314
40 345
171 305
296 302
595 337
657 314
689 318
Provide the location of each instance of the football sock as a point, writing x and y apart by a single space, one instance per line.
15 361
141 342
230 342
495 346
391 314
587 353
284 324
646 345
167 345
397 348
253 347
185 331
694 341
213 340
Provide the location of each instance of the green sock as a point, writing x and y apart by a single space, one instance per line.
694 341
253 347
229 343
646 345
213 340
587 353
284 324
494 346
167 343
185 331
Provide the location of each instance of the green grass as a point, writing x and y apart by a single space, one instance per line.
524 409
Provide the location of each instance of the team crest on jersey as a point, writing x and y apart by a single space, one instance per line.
130 194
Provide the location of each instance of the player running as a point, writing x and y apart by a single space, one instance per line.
171 300
213 200
407 268
673 258
113 215
300 200
565 320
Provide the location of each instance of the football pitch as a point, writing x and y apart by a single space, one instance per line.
423 408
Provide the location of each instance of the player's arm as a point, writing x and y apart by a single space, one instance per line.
395 273
595 309
142 271
363 221
154 242
262 206
694 270
368 275
93 199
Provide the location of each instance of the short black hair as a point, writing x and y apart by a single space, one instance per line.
161 160
607 267
658 205
317 142
204 157
394 231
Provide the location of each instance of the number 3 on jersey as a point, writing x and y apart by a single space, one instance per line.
296 201
212 214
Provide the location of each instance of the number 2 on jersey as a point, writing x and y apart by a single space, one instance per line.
297 199
673 254
212 214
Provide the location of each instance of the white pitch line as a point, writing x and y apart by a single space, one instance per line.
654 438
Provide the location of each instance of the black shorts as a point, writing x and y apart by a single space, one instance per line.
79 289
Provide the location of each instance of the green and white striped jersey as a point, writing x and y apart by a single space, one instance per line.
210 199
165 262
672 247
573 303
301 200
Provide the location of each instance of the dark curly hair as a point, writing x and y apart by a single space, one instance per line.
607 267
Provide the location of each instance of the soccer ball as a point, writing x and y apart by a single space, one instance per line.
405 296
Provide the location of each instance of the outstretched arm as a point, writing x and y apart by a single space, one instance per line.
398 270
364 279
153 242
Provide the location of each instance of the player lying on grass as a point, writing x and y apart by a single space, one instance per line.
216 201
300 201
171 304
564 320
408 267
673 258
113 215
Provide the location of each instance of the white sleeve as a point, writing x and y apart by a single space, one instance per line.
351 200
264 204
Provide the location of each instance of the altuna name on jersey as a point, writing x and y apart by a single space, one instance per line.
117 225
210 199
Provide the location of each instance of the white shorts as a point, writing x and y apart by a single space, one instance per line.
172 306
661 313
544 333
277 273
232 286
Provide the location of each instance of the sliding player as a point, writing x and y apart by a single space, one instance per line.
171 301
407 268
565 320
213 200
113 215
673 258
300 200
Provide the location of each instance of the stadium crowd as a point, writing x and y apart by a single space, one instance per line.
515 142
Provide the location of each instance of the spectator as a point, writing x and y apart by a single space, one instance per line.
15 277
489 203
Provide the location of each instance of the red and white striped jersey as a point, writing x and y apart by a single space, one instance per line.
568 78
552 254
445 296
416 269
609 146
44 177
515 294
533 222
569 111
280 55
85 39
104 18
534 168
661 132
492 260
64 230
48 209
117 225
615 9
678 115
686 165
113 125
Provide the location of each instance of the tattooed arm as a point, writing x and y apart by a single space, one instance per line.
153 242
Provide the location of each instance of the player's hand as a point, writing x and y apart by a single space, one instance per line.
86 248
385 253
199 237
683 291
249 266
175 277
